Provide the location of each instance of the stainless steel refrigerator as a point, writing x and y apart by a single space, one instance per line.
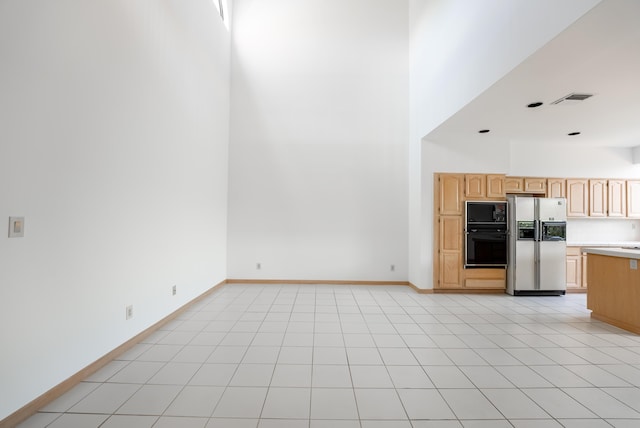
537 247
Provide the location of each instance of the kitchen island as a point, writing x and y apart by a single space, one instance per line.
614 286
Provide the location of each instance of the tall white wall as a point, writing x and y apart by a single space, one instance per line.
114 146
459 48
572 160
319 131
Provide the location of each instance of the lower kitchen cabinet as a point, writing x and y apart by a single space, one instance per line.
576 269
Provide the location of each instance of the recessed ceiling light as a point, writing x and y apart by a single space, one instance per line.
533 105
573 133
483 131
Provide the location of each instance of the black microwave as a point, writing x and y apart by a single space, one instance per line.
486 212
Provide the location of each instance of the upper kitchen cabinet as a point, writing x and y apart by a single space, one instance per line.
525 185
495 186
577 198
617 198
475 186
597 198
556 188
450 189
535 185
633 198
481 186
513 184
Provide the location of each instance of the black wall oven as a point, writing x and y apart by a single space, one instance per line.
485 234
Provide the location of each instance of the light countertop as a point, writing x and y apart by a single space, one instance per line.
603 243
627 253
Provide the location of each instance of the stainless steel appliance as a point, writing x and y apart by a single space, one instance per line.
485 234
537 246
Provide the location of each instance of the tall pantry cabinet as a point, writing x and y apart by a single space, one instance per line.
451 191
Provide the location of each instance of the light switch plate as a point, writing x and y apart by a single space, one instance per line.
16 227
633 264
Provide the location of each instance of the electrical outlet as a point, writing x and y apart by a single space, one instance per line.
393 268
258 266
174 290
633 226
129 312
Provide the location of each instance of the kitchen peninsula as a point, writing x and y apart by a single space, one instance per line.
614 286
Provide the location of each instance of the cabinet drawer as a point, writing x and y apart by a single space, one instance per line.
485 278
484 283
485 273
573 251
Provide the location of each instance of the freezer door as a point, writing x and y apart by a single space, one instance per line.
524 209
552 209
553 265
524 267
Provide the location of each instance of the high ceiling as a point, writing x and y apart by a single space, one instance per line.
599 54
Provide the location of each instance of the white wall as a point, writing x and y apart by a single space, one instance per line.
458 49
318 156
114 146
572 160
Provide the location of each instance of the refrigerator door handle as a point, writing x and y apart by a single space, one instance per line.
536 230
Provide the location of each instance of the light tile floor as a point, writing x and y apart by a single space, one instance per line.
292 356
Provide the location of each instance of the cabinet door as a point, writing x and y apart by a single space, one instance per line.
556 188
617 196
513 184
633 198
535 185
450 249
495 186
451 188
597 198
574 271
577 198
475 186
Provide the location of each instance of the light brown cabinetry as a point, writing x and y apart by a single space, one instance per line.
597 198
475 186
535 185
514 184
607 198
450 251
495 186
584 271
451 194
482 186
556 188
574 268
448 227
525 185
577 197
617 198
485 278
613 294
633 198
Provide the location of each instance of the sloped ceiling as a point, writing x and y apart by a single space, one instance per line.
599 54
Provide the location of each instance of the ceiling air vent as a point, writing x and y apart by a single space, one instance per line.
573 98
